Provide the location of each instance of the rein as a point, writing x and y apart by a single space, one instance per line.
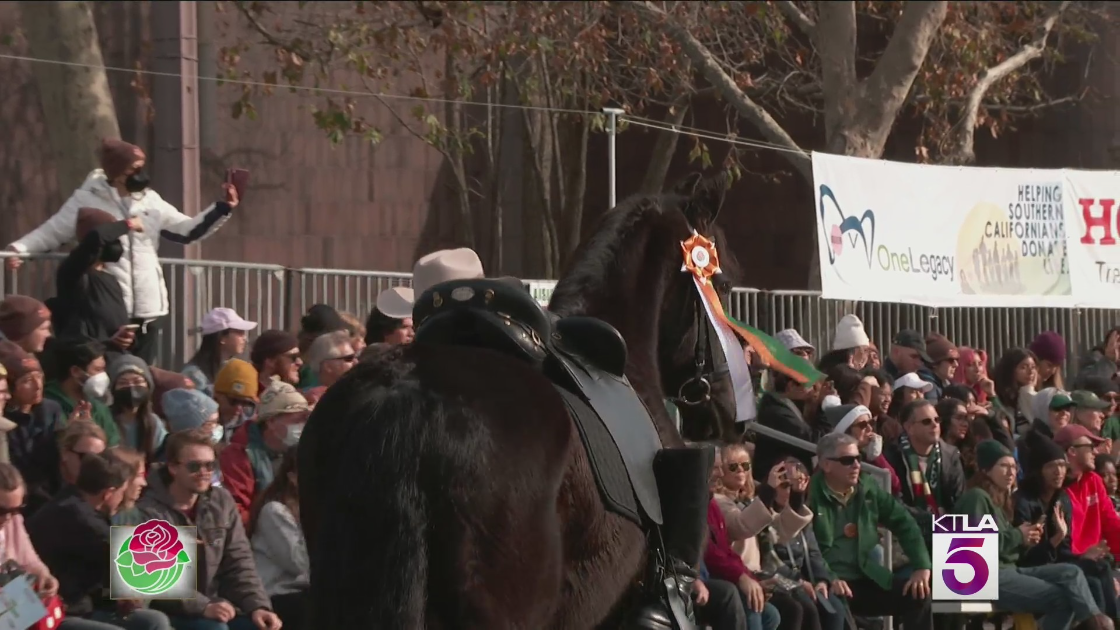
697 390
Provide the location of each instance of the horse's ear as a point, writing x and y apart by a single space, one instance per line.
687 186
706 200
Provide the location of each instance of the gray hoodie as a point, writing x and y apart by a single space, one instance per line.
225 570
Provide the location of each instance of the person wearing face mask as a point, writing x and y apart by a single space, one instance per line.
90 302
141 430
256 449
121 188
80 384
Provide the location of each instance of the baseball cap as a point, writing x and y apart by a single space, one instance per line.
913 381
912 339
1088 400
1061 401
223 318
1067 435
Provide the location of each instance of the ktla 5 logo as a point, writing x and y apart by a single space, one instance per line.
965 558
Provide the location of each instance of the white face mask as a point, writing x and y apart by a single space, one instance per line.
874 448
216 434
96 386
293 435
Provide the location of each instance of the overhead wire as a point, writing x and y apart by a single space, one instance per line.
630 119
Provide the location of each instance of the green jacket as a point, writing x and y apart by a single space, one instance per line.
101 415
978 502
878 508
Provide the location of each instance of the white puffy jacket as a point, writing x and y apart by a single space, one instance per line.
138 271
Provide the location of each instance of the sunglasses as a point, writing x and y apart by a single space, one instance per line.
860 426
736 466
925 422
12 511
846 460
197 467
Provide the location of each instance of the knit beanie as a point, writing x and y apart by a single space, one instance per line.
272 343
89 219
186 409
237 378
842 417
1049 346
164 381
1041 451
20 315
17 362
989 452
281 398
127 363
939 348
117 156
849 334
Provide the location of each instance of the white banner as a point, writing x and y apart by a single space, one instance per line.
1094 236
940 236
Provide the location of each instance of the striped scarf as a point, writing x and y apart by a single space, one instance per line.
922 485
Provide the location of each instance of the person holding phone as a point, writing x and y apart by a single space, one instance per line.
90 301
122 189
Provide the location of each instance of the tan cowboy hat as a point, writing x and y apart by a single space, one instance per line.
432 269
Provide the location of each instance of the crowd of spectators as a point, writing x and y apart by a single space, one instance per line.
93 434
949 432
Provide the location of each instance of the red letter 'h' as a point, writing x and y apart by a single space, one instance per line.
1104 221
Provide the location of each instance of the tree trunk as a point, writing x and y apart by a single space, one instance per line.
77 103
572 221
663 151
454 114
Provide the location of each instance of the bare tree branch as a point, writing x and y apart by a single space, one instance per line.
964 132
711 70
803 22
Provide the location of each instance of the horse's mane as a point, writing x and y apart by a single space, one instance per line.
594 261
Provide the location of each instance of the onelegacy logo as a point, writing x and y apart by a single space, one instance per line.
860 230
965 558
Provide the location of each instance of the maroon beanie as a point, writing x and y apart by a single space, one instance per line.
89 219
17 362
21 315
117 156
1049 346
270 344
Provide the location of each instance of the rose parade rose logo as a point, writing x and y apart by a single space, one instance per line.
152 558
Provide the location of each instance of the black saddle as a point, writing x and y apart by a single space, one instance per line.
584 357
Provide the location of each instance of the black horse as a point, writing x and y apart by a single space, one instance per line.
449 486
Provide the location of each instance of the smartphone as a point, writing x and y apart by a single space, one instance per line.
239 178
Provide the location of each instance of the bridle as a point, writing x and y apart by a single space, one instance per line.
697 389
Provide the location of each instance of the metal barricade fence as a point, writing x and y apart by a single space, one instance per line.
276 297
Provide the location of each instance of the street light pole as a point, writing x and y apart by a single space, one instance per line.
612 130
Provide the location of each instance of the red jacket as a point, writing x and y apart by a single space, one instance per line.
719 558
1094 518
237 471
